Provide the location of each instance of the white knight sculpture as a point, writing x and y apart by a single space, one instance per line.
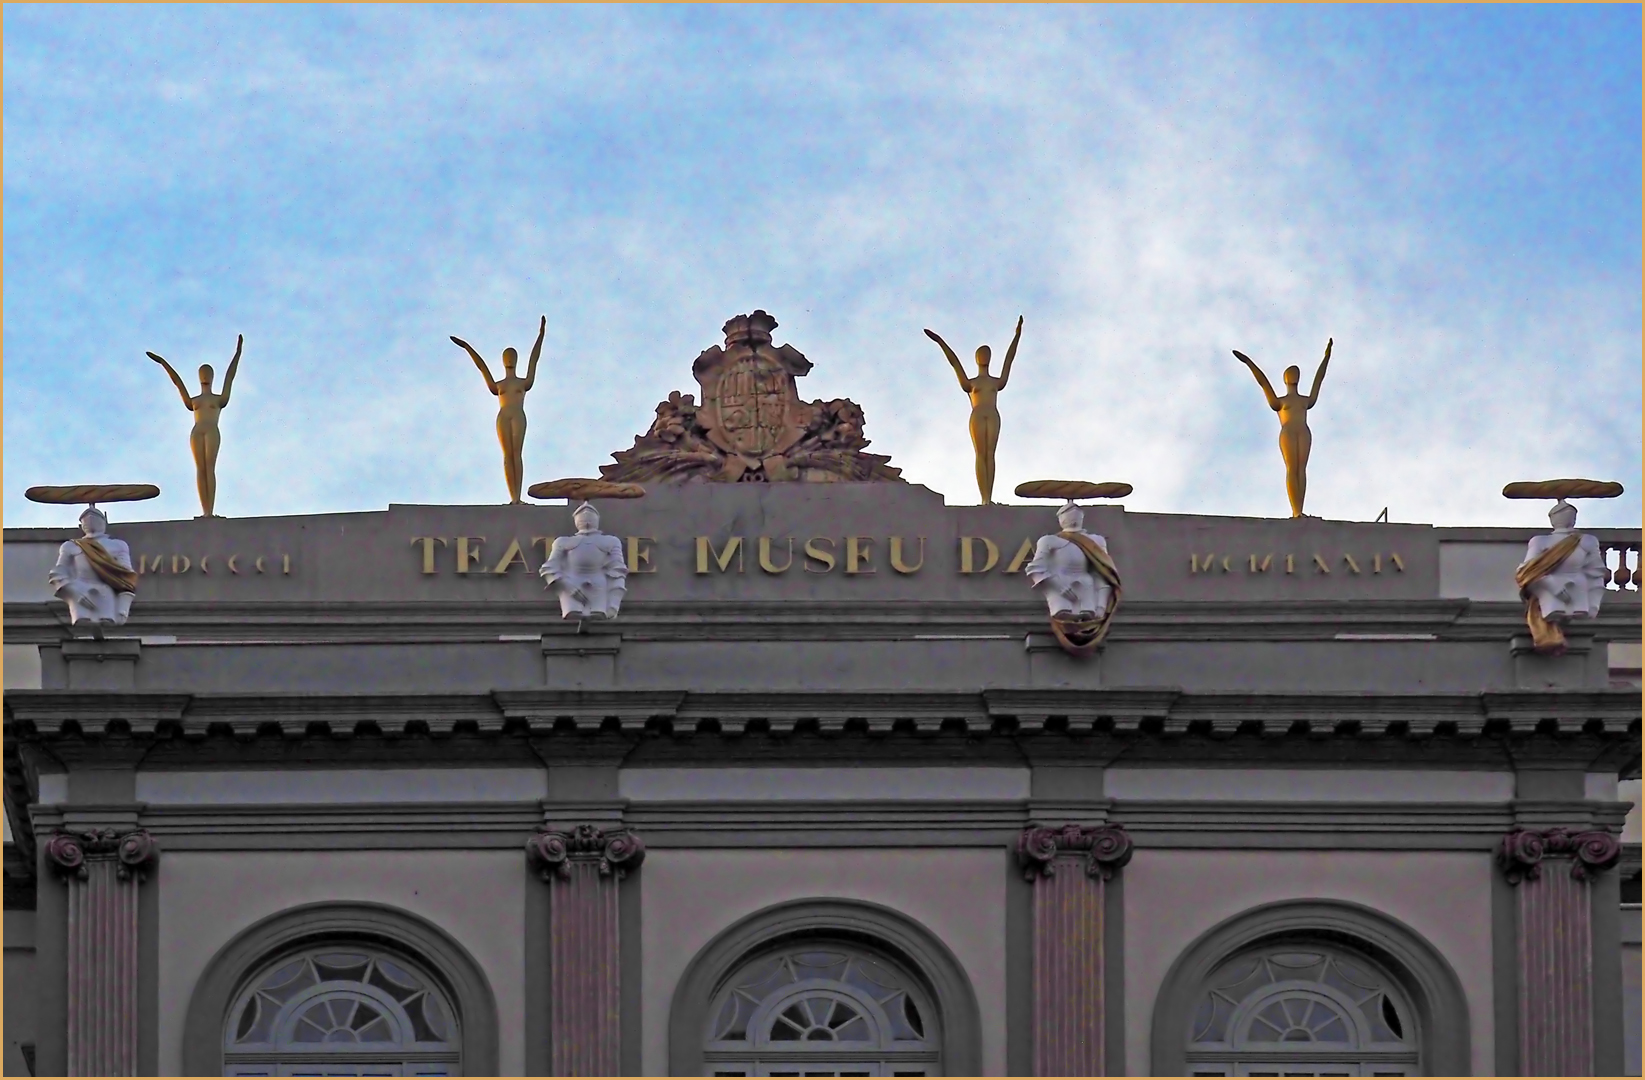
1562 578
1072 570
94 574
588 569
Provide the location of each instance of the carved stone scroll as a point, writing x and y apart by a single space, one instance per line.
1521 852
1104 848
584 868
1555 936
1070 868
103 869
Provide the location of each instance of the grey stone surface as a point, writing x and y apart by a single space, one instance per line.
798 735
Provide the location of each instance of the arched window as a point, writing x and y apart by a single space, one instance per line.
824 987
1311 988
821 1008
341 1011
1301 1009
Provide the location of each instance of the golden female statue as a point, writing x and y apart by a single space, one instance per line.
984 390
511 391
205 438
1294 438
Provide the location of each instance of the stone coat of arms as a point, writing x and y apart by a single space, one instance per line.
751 424
750 404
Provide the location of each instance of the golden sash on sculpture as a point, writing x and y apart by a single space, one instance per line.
1546 637
1080 634
122 579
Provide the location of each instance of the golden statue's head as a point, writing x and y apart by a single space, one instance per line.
205 376
1293 375
984 354
510 359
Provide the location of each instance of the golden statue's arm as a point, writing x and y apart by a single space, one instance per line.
1319 376
1262 380
491 384
965 381
188 402
1010 355
233 366
536 352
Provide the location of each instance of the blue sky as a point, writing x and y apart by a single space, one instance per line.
1453 194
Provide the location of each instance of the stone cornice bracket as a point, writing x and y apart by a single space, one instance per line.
134 852
1521 852
617 851
1106 848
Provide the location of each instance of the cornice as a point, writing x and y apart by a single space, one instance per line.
331 622
1020 713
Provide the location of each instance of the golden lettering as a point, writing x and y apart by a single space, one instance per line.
639 558
1262 567
231 567
897 563
204 569
468 551
1320 564
1352 565
1227 566
1376 564
261 569
285 564
428 543
1290 564
511 553
722 559
1024 553
1399 563
547 543
179 569
144 566
765 556
858 550
968 562
1197 567
812 551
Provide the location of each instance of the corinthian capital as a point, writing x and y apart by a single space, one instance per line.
134 851
617 851
1521 852
1106 848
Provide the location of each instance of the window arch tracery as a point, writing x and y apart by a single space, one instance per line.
822 1008
339 1010
1301 1009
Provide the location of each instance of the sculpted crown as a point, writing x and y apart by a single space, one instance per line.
754 329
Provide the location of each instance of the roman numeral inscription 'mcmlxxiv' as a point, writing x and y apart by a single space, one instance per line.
1310 563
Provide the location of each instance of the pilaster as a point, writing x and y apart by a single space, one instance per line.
1552 871
1070 868
103 870
584 868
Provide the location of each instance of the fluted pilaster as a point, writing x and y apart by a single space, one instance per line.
103 869
1551 869
585 868
1070 868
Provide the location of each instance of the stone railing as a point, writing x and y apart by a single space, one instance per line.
1622 559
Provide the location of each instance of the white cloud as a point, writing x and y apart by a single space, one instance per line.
1147 211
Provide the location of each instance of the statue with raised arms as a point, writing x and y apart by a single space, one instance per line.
510 391
205 439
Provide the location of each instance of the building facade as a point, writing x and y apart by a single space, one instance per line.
347 796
